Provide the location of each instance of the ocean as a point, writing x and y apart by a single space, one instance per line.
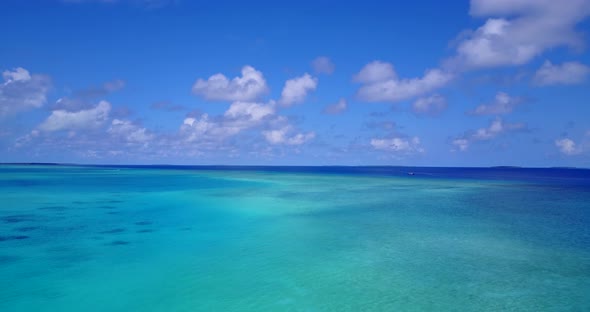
216 238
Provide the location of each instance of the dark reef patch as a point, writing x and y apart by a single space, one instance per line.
17 218
12 237
113 231
107 207
143 222
27 228
119 243
54 208
114 201
63 231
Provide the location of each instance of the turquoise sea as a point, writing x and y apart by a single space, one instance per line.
116 238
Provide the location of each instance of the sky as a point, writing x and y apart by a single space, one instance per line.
410 83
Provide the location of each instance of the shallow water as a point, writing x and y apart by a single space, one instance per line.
293 239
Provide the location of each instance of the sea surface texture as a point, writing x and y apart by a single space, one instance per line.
75 238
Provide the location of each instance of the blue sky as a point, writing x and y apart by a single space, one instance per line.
428 83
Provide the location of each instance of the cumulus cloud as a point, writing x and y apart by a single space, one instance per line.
566 73
336 108
94 133
461 144
239 117
87 132
200 128
495 129
567 146
250 86
243 117
399 145
251 112
376 71
296 89
18 74
83 119
431 105
285 135
502 104
380 83
323 65
518 31
22 91
127 131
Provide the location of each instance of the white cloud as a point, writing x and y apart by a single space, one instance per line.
240 116
83 119
323 65
376 71
301 138
432 105
567 147
381 84
518 31
129 132
252 112
280 131
496 128
22 91
250 86
296 89
502 104
283 136
337 107
398 145
201 128
461 144
205 128
26 139
19 74
89 133
566 73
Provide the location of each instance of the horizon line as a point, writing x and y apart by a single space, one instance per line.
275 166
